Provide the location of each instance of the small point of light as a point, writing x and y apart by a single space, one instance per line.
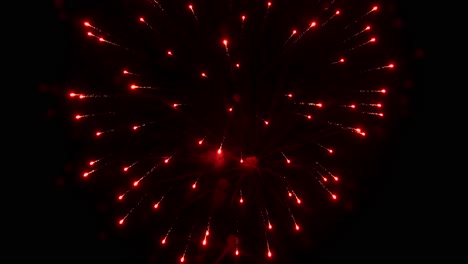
121 221
81 96
298 200
358 130
319 105
379 105
352 106
324 179
182 259
86 23
72 94
156 205
288 161
90 34
194 186
135 183
163 241
335 178
166 161
204 242
207 233
270 226
367 28
190 7
98 133
225 42
125 169
200 142
243 17
175 105
309 117
383 91
241 161
169 53
266 123
133 86
297 227
101 39
372 40
342 60
78 117
337 12
330 150
237 65
313 24
290 95
381 114
375 8
85 174
237 252
241 200
125 72
269 254
142 19
363 134
289 194
120 197
269 4
294 31
135 127
91 163
230 109
219 151
334 197
391 65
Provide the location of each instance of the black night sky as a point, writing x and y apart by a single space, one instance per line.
408 212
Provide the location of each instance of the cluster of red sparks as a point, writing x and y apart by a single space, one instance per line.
325 176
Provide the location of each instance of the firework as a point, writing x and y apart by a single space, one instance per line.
220 152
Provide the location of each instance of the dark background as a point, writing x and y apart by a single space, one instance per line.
418 215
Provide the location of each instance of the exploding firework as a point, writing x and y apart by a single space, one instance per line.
219 126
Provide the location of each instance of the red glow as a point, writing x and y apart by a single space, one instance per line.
379 105
319 105
241 161
269 254
294 31
125 72
135 127
336 178
237 65
90 34
86 24
190 7
175 105
367 28
290 95
334 197
219 151
391 65
330 150
142 19
375 8
135 183
288 161
72 94
358 130
85 174
98 134
313 24
342 60
169 53
270 226
194 186
91 163
363 134
269 4
324 179
125 169
298 201
163 241
383 91
121 221
200 142
225 42
352 106
237 252
166 160
297 227
309 117
120 197
156 205
381 114
243 17
78 116
101 39
203 74
372 40
241 200
337 12
133 86
204 242
266 122
81 96
182 259
289 194
230 109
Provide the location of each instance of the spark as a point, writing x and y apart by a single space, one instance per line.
371 40
200 142
388 66
329 150
190 6
293 33
142 20
207 232
225 43
341 60
204 75
327 171
182 259
194 185
87 24
373 9
367 28
288 161
126 72
337 13
373 91
157 3
125 169
241 199
312 24
122 220
100 133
